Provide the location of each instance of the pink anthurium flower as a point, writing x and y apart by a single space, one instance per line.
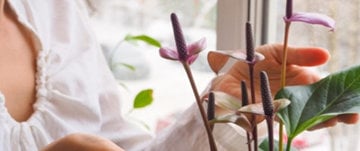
310 18
183 53
192 51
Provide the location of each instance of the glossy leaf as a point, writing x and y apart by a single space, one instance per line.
143 98
334 95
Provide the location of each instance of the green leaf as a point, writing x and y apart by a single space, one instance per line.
143 98
264 146
334 95
144 38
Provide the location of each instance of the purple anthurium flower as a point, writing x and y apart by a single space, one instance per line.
311 18
184 53
192 51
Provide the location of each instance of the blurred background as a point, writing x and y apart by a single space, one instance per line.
114 20
222 24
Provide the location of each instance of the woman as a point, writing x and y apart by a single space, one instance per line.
58 93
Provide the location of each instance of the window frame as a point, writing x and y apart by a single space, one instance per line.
231 19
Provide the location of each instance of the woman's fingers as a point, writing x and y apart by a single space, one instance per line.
310 56
349 118
302 56
344 118
329 123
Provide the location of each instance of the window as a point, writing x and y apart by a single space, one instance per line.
232 16
114 19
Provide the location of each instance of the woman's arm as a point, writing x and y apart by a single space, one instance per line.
82 142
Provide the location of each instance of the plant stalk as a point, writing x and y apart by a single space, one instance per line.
283 78
253 101
288 145
211 110
245 101
201 109
269 121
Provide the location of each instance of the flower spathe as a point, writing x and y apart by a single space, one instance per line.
312 18
240 55
192 50
186 54
230 110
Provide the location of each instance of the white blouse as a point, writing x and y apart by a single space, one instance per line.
76 91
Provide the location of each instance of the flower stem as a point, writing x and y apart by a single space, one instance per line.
253 101
201 109
284 57
288 145
269 121
211 109
267 106
245 101
283 78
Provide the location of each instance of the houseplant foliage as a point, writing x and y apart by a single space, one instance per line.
337 94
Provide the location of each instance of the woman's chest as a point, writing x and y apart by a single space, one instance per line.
17 69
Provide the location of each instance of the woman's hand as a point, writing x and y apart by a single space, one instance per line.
82 142
298 72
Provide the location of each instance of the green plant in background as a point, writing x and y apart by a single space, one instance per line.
144 97
143 38
133 39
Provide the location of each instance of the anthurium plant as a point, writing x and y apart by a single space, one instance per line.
298 108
